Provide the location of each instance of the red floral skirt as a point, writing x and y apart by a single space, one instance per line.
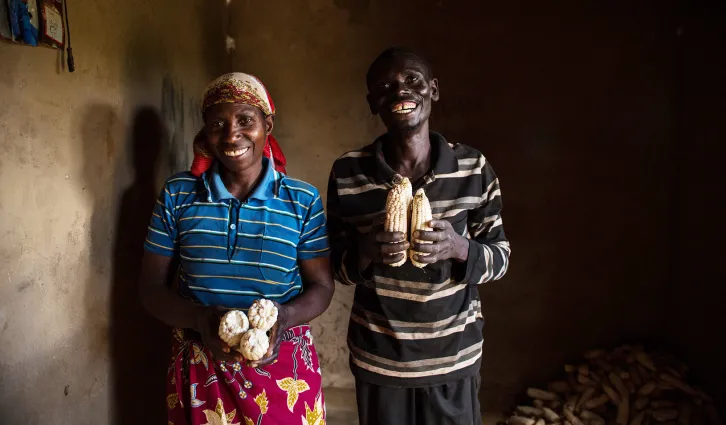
203 391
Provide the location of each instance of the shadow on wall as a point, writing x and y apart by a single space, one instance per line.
141 344
138 343
99 129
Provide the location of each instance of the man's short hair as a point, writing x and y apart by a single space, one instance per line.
394 52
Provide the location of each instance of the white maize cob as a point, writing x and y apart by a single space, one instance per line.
420 216
263 314
397 209
254 344
231 327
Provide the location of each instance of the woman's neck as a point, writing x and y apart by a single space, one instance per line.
240 184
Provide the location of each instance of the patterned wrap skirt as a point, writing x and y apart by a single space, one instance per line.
201 391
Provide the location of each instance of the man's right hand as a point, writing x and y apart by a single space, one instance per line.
381 247
208 328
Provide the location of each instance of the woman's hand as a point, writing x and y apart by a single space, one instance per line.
276 334
318 288
208 326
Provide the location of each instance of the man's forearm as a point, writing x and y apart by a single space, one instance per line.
485 262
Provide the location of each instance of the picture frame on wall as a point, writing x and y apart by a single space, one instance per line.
52 31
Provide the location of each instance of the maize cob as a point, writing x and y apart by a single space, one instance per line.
596 402
638 388
594 354
585 397
420 216
541 394
530 411
550 414
619 385
519 420
397 208
645 360
254 344
231 327
263 314
647 388
623 411
574 420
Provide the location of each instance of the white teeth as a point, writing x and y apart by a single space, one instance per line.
238 152
404 108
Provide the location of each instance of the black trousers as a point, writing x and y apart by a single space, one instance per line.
455 403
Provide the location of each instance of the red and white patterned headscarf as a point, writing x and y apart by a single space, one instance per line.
243 89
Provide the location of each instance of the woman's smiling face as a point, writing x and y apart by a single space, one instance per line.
236 134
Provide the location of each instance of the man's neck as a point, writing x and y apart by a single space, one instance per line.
409 152
241 184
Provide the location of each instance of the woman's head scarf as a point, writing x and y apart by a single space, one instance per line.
243 89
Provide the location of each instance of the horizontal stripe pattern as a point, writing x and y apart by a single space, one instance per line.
232 253
410 326
415 369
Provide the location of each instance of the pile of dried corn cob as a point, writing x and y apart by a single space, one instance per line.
627 386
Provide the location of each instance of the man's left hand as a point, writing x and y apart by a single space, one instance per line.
445 244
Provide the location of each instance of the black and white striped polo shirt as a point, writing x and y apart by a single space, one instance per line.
416 327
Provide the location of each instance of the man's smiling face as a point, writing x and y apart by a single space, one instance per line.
401 90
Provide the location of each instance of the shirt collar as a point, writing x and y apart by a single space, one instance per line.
216 191
442 155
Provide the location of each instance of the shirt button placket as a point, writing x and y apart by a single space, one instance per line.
232 229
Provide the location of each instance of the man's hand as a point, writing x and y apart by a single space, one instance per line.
381 247
445 244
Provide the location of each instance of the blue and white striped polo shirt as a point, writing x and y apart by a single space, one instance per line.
233 252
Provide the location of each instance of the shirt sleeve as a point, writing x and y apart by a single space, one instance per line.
314 237
488 246
343 241
161 237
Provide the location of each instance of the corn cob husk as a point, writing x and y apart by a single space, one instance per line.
420 216
397 208
633 387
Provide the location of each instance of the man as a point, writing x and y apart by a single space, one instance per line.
415 335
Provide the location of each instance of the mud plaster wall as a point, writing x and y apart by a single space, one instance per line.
571 105
83 155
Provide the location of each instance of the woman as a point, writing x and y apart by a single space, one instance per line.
238 232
